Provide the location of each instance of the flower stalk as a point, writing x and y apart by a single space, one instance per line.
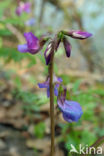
71 110
51 70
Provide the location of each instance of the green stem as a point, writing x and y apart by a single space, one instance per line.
51 69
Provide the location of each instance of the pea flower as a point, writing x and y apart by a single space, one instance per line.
71 110
23 7
33 44
56 80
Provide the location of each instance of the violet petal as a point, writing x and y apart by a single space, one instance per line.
30 22
19 11
43 85
56 90
48 92
72 111
32 41
23 48
59 79
27 7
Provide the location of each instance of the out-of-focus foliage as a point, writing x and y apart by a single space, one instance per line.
39 130
33 102
10 33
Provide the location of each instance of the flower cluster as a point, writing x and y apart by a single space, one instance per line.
76 34
71 110
23 7
34 45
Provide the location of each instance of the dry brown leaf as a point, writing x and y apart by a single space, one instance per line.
45 107
58 152
4 134
13 115
39 144
47 125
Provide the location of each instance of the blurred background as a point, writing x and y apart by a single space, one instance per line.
24 108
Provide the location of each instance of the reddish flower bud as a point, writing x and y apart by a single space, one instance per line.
77 34
67 47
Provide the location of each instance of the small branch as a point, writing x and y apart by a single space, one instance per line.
15 32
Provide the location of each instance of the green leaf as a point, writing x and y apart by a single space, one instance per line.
1 42
5 32
76 85
11 54
14 21
39 130
66 79
32 60
17 81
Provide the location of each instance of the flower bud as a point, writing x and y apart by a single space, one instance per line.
77 34
67 47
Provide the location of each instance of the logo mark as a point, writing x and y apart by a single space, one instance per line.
86 150
73 149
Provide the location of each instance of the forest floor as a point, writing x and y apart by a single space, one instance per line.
17 121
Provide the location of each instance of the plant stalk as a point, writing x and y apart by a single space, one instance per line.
51 70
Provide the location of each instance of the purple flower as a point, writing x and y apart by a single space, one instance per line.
19 11
27 7
30 22
77 34
23 7
32 46
56 80
67 47
71 110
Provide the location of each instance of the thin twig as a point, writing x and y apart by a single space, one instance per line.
16 32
